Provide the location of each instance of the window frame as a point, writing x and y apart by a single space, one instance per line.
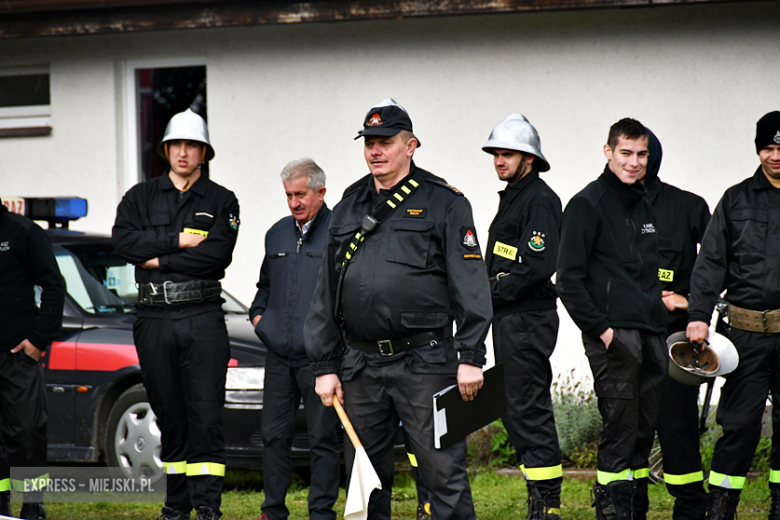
26 120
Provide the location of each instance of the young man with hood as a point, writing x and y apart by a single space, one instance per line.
293 253
520 257
739 253
608 280
681 219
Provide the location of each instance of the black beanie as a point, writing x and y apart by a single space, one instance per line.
768 130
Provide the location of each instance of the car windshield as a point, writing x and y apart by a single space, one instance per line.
101 281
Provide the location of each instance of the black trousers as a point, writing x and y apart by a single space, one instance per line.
524 342
375 399
285 386
184 366
22 418
678 434
628 380
741 407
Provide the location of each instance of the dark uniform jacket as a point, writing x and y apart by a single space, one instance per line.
740 251
608 260
150 218
286 286
681 219
523 242
27 260
418 271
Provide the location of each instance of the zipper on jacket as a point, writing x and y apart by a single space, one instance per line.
609 288
300 241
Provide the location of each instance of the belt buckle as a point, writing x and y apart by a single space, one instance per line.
165 290
763 320
385 347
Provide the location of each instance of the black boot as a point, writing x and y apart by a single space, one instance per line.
5 503
206 513
614 501
543 507
424 511
774 511
33 511
722 504
169 513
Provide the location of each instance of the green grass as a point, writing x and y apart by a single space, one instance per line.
496 497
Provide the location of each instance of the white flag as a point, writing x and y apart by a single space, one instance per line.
362 482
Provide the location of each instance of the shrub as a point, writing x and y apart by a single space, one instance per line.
577 419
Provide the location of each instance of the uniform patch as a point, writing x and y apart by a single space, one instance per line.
234 222
374 120
415 213
5 246
648 228
537 242
665 275
196 231
777 137
505 250
469 239
472 256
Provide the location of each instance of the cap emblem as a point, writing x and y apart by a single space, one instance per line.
374 120
777 137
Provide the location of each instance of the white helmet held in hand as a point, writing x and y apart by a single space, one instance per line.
688 367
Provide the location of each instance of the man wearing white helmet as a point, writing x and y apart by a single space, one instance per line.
521 254
402 262
179 230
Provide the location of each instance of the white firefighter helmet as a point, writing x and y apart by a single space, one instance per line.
516 133
719 358
187 125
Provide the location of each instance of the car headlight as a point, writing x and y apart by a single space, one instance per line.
245 378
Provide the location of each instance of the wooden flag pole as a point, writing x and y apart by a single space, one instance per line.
346 422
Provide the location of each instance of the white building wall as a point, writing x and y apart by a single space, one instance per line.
699 75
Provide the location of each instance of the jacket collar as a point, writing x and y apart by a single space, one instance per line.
512 191
199 187
315 222
759 181
369 189
628 194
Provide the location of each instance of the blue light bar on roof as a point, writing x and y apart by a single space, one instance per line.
51 209
70 208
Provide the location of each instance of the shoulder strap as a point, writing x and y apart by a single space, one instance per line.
370 223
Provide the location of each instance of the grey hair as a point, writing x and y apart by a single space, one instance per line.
304 168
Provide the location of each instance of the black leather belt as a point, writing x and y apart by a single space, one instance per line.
388 347
170 292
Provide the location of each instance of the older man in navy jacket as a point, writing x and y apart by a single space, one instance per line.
293 252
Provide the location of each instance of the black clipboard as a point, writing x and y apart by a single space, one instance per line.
454 418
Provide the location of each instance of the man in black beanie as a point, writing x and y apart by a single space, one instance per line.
739 254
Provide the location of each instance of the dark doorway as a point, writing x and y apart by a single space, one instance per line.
161 94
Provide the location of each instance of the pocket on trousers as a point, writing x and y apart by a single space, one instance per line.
614 390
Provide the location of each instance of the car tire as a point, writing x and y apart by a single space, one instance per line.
132 439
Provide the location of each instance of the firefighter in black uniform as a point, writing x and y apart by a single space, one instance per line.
608 280
739 253
681 218
179 230
26 260
416 271
521 254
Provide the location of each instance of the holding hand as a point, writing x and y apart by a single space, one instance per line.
470 380
326 386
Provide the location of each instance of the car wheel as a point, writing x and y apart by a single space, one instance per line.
132 435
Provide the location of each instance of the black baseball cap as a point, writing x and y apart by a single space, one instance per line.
386 119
